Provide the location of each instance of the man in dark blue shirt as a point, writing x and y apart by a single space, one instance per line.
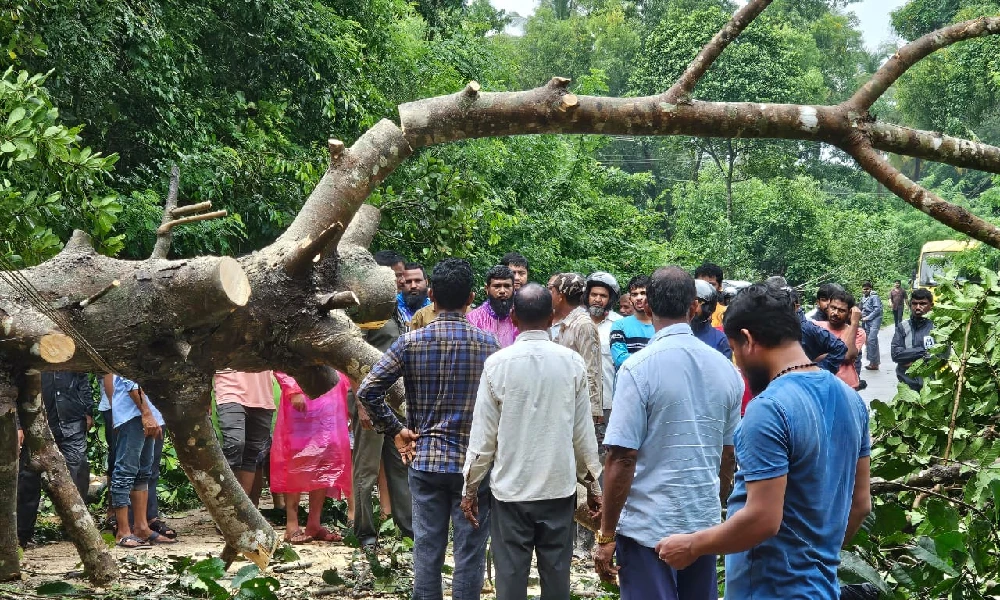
701 325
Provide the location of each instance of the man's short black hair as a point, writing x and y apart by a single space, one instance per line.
842 295
708 269
451 282
413 266
767 312
499 272
639 281
867 284
899 282
387 258
922 294
515 259
533 304
670 293
827 290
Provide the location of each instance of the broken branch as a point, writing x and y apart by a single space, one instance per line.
166 227
87 301
914 52
680 92
190 209
163 236
337 301
300 259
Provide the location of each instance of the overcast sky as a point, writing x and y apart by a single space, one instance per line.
873 14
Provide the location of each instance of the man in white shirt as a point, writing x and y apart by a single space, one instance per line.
532 423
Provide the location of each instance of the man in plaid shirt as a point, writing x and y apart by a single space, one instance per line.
441 366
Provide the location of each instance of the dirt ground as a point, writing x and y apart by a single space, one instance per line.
150 574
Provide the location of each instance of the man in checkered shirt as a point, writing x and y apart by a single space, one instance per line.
441 365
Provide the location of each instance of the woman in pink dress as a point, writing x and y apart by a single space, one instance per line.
311 453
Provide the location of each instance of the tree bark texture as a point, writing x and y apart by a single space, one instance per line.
98 563
10 564
170 324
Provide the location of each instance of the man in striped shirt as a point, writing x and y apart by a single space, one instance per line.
440 365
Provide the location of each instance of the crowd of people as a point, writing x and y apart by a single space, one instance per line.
544 405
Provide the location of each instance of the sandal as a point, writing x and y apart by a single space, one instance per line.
131 542
298 537
157 539
160 526
325 535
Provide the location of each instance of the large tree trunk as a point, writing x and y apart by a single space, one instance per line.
10 565
98 564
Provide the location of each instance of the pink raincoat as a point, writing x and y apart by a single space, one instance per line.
311 449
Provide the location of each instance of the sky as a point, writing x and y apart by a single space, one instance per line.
873 15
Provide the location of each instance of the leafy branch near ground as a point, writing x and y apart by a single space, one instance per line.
935 528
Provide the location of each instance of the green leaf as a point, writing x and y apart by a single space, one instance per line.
213 568
16 115
247 572
7 147
447 569
332 577
57 588
860 571
259 588
286 554
929 556
890 518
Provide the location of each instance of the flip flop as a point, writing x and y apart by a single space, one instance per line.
162 528
325 535
131 542
298 537
159 540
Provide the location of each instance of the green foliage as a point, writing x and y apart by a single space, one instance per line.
945 545
50 183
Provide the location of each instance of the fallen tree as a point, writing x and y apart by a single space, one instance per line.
297 304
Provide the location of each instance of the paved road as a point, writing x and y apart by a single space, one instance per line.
881 383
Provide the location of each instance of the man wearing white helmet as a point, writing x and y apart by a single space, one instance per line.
701 324
602 293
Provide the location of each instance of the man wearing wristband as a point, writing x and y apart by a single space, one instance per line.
677 404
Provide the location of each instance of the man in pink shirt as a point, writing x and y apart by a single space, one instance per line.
844 318
245 406
493 316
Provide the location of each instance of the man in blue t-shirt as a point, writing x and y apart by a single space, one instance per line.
631 334
802 489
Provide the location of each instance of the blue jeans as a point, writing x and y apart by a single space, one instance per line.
871 346
133 461
436 499
643 576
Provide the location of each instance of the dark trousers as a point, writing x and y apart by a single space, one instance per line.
71 439
436 500
370 449
643 576
543 527
897 314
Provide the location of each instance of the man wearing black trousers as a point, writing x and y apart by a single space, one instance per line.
68 399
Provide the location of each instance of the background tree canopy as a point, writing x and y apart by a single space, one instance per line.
242 95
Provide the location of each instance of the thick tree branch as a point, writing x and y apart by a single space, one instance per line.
353 174
932 146
914 52
680 92
927 202
937 475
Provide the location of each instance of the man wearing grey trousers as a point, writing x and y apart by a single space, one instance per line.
532 423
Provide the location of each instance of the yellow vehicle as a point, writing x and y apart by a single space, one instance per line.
935 258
